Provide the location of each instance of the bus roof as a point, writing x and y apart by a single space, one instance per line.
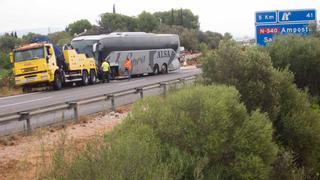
117 34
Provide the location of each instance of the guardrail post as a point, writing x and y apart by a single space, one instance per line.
183 81
140 90
113 106
26 116
75 107
105 104
164 85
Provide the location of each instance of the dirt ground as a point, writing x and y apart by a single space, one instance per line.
24 157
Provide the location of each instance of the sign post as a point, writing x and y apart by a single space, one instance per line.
283 22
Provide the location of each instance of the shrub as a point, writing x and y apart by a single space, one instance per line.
261 86
250 71
196 133
284 167
204 48
210 124
6 79
302 56
127 154
298 124
4 60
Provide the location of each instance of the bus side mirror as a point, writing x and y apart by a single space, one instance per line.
94 47
11 57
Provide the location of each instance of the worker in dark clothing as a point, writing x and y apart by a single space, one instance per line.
106 70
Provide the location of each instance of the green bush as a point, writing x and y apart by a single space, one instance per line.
298 124
284 167
211 39
296 121
204 48
129 153
196 133
302 56
6 78
250 71
211 124
4 61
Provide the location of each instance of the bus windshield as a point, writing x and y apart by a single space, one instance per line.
84 46
28 54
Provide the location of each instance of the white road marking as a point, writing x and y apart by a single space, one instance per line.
131 82
9 97
25 102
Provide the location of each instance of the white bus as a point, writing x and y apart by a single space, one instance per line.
150 53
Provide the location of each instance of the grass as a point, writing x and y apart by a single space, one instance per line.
7 91
7 87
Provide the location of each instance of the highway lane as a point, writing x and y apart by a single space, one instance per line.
26 102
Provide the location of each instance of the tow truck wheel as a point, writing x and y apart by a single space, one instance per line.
156 69
164 69
85 79
93 77
26 89
57 84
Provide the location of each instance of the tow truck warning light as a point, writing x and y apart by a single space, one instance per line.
271 30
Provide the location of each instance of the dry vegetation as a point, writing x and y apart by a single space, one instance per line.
29 157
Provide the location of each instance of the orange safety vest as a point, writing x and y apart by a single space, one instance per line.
128 65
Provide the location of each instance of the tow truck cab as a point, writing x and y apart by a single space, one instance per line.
34 64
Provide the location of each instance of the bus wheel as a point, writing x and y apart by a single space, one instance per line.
164 69
85 79
26 89
57 84
93 77
156 69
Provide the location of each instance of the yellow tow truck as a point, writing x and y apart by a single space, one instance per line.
40 64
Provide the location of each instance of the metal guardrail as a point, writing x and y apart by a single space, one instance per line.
27 115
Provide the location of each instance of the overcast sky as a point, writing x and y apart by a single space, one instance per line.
235 16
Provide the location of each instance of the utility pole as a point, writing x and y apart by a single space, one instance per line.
181 16
114 9
172 17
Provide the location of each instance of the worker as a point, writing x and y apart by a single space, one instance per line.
105 70
128 67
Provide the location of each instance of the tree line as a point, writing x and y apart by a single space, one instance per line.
179 21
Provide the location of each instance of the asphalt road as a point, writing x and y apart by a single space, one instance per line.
30 101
